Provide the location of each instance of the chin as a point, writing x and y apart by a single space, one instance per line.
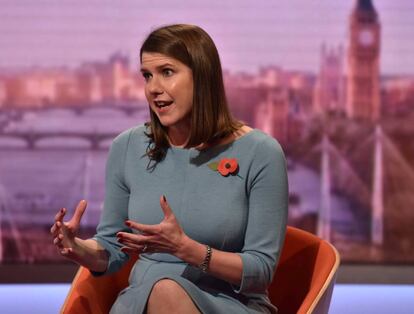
166 122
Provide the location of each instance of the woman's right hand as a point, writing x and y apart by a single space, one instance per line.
64 233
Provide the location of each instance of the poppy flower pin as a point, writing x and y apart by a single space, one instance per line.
225 166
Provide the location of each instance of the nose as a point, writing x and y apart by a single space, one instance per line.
154 86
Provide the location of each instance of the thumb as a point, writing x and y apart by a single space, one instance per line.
165 207
77 216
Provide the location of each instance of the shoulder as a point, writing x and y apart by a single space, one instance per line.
266 153
268 161
129 141
134 133
264 144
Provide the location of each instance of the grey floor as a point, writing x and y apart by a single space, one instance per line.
359 299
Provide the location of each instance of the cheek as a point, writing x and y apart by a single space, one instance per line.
147 94
190 97
185 89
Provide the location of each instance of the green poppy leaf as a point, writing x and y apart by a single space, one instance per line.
213 165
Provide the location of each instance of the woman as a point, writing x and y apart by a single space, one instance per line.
200 196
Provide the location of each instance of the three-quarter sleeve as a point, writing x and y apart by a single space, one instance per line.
267 217
115 210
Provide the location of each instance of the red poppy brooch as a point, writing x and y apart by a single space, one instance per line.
225 166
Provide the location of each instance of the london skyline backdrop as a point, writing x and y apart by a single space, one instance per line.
248 34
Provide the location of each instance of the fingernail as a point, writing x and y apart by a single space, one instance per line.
127 223
163 197
62 209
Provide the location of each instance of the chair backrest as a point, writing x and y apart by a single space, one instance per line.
305 275
303 280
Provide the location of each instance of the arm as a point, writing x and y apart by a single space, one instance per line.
100 254
115 210
252 269
90 255
267 218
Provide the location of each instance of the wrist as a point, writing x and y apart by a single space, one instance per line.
205 265
184 248
78 246
90 254
191 251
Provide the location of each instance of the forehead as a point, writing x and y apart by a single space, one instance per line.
150 59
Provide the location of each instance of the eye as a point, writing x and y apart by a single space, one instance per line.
167 72
146 76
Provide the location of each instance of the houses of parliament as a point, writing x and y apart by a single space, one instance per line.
355 89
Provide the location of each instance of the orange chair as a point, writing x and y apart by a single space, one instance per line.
303 282
305 275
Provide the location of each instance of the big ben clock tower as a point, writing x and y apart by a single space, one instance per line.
363 90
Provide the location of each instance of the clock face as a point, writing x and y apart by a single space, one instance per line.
366 37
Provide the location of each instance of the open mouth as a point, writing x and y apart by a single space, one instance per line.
162 104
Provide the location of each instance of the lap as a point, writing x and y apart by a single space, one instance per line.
208 295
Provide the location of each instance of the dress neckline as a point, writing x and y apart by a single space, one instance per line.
175 148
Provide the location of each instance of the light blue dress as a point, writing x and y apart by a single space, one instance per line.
243 213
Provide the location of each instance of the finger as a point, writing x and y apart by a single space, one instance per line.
165 206
134 242
55 228
148 229
61 213
58 240
132 245
66 251
138 238
77 216
74 222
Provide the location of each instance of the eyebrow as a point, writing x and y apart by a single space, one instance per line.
143 69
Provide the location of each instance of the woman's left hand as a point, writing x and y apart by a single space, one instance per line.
165 237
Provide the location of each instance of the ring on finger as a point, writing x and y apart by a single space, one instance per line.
144 248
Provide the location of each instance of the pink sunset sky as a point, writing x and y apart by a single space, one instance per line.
249 34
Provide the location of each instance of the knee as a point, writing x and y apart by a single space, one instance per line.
167 296
165 288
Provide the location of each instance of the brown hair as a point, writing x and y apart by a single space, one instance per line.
210 116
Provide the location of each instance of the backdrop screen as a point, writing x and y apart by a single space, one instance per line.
332 80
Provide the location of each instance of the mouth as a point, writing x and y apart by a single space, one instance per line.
162 104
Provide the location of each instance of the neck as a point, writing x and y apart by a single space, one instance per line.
178 136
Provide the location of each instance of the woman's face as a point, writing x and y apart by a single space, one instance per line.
168 88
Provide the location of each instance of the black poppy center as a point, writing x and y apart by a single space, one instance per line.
227 166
